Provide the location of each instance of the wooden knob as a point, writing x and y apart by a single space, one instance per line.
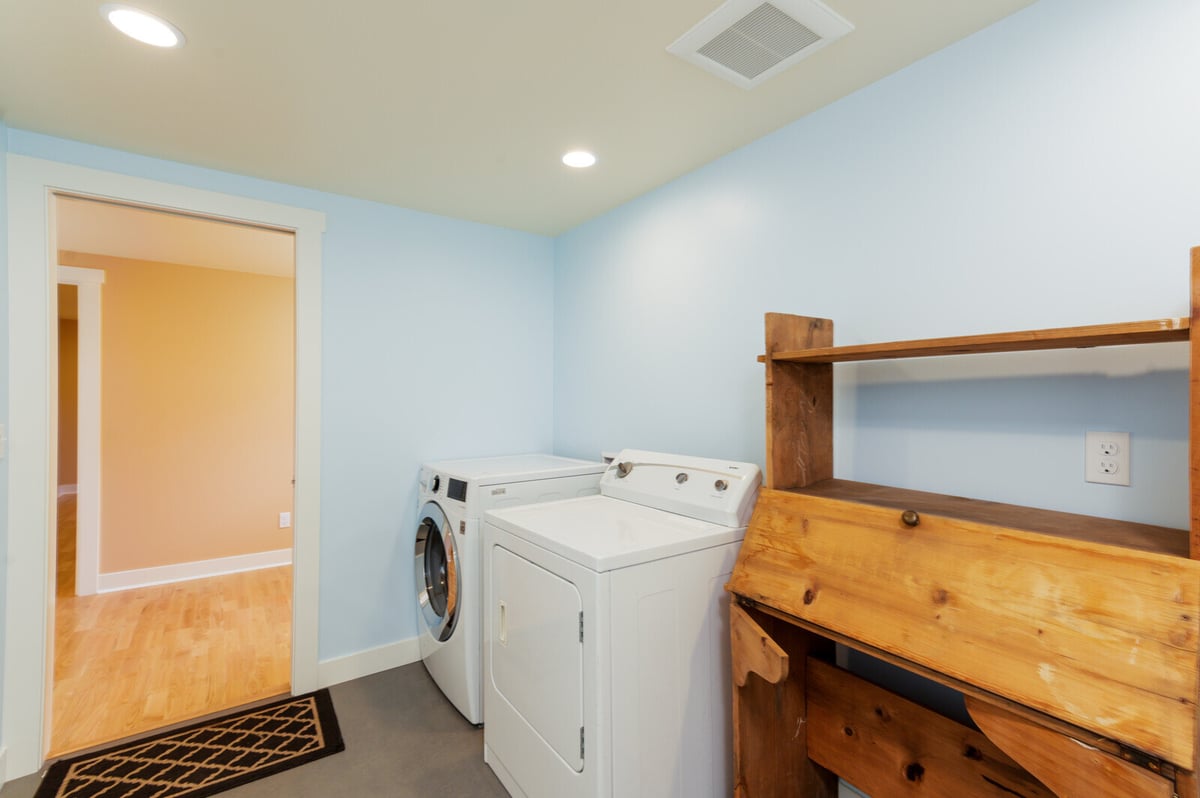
910 517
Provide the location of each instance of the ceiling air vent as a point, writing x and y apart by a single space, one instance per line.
748 41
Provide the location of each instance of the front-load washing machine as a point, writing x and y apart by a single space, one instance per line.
606 639
454 494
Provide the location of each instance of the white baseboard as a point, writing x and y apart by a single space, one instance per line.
3 765
181 572
67 490
364 663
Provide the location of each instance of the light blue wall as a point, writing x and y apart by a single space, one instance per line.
436 343
3 399
1040 173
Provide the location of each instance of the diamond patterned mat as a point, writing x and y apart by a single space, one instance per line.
205 758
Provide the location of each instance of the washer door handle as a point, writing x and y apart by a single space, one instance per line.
502 635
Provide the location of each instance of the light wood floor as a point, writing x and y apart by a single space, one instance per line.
134 660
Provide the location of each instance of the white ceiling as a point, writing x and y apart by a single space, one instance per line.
461 109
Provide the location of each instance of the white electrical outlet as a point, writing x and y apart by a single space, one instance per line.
285 520
1106 458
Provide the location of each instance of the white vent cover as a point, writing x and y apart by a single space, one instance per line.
748 41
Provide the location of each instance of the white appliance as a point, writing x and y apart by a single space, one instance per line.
606 643
454 494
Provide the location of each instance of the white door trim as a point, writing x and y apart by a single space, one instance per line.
87 508
32 182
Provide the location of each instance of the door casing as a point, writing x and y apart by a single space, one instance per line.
32 280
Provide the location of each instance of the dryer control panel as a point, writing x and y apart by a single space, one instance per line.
718 491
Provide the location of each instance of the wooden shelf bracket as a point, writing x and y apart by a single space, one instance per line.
754 651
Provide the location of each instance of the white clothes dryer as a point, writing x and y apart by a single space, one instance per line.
447 554
606 642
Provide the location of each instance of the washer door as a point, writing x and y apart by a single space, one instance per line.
437 574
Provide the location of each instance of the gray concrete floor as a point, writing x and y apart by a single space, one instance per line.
403 740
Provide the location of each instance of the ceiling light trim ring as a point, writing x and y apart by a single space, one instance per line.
143 26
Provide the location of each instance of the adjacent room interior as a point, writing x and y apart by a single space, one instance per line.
184 606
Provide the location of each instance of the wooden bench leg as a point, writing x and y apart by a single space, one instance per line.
769 719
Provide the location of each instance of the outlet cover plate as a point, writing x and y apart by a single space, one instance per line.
1106 458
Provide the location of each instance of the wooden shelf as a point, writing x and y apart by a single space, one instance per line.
996 596
1075 639
1155 331
1090 529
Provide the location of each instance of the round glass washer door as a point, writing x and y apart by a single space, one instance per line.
439 583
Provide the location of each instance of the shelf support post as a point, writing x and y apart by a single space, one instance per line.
799 403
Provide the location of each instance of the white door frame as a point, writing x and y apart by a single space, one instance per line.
32 283
87 508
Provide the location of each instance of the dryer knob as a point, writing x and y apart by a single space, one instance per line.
435 483
623 469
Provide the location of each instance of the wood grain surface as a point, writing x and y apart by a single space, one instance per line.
799 404
1154 331
1067 766
1103 637
754 651
135 660
1109 531
770 721
886 745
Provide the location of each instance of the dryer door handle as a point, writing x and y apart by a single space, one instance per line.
502 632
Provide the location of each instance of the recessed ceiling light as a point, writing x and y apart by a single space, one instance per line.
144 27
579 159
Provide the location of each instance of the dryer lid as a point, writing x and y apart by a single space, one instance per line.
603 534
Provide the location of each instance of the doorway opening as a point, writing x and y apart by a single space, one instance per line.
179 604
32 185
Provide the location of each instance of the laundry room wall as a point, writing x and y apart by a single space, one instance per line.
3 420
1032 175
437 342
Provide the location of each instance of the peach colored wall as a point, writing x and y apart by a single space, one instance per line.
68 415
197 373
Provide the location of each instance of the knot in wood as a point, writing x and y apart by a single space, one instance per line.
914 772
